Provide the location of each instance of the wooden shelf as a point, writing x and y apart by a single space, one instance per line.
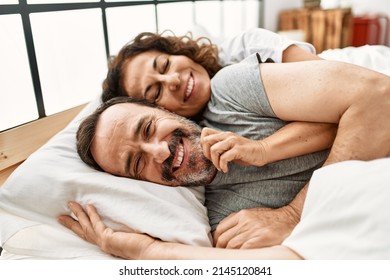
325 29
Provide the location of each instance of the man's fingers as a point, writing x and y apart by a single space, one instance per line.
225 237
223 227
81 215
71 224
82 227
96 221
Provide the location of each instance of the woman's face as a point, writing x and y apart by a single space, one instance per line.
174 82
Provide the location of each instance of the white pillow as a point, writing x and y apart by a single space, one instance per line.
39 189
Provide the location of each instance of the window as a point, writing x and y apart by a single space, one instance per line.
17 92
71 57
54 52
124 23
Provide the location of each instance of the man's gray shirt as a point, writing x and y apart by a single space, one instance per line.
239 104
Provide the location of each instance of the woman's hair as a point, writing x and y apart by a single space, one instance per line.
201 51
87 129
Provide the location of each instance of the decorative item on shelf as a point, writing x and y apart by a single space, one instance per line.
371 29
312 3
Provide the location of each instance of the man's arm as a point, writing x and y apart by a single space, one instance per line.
91 228
259 227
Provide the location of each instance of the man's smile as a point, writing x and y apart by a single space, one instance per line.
178 160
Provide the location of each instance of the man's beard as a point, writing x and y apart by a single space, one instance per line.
203 170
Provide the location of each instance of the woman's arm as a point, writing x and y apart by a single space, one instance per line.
294 139
356 98
142 247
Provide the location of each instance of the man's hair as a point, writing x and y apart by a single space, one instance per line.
87 129
201 51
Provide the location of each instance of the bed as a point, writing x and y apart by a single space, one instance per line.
39 178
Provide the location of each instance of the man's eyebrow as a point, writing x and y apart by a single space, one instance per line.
154 65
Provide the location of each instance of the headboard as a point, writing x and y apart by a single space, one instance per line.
18 143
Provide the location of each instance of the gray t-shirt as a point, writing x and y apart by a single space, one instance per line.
239 104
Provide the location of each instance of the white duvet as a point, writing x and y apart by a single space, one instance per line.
373 57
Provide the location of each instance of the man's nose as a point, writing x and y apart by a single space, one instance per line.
159 152
172 81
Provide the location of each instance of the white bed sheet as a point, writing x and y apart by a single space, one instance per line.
373 57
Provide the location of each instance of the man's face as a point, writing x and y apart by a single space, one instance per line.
150 144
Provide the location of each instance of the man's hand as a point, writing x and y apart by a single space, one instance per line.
256 228
223 147
91 228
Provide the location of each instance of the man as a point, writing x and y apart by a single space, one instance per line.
156 147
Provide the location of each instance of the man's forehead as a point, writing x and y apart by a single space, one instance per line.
128 109
131 112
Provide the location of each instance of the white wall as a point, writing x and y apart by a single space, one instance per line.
272 9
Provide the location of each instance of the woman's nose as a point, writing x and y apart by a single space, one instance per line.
172 81
159 152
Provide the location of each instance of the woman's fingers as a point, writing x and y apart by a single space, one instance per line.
215 143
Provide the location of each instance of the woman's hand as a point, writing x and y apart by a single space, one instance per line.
223 147
91 228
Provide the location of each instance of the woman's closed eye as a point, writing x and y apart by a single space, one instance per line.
158 93
165 66
163 70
